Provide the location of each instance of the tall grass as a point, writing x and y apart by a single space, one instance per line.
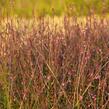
44 65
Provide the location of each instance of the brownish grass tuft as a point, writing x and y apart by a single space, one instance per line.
47 66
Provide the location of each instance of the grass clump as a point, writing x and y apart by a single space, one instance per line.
45 65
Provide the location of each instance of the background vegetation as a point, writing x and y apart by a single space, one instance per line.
57 7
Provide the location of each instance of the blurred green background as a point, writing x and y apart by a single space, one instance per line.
52 7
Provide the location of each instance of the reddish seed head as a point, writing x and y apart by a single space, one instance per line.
80 98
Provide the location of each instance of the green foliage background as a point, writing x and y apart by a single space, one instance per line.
50 7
